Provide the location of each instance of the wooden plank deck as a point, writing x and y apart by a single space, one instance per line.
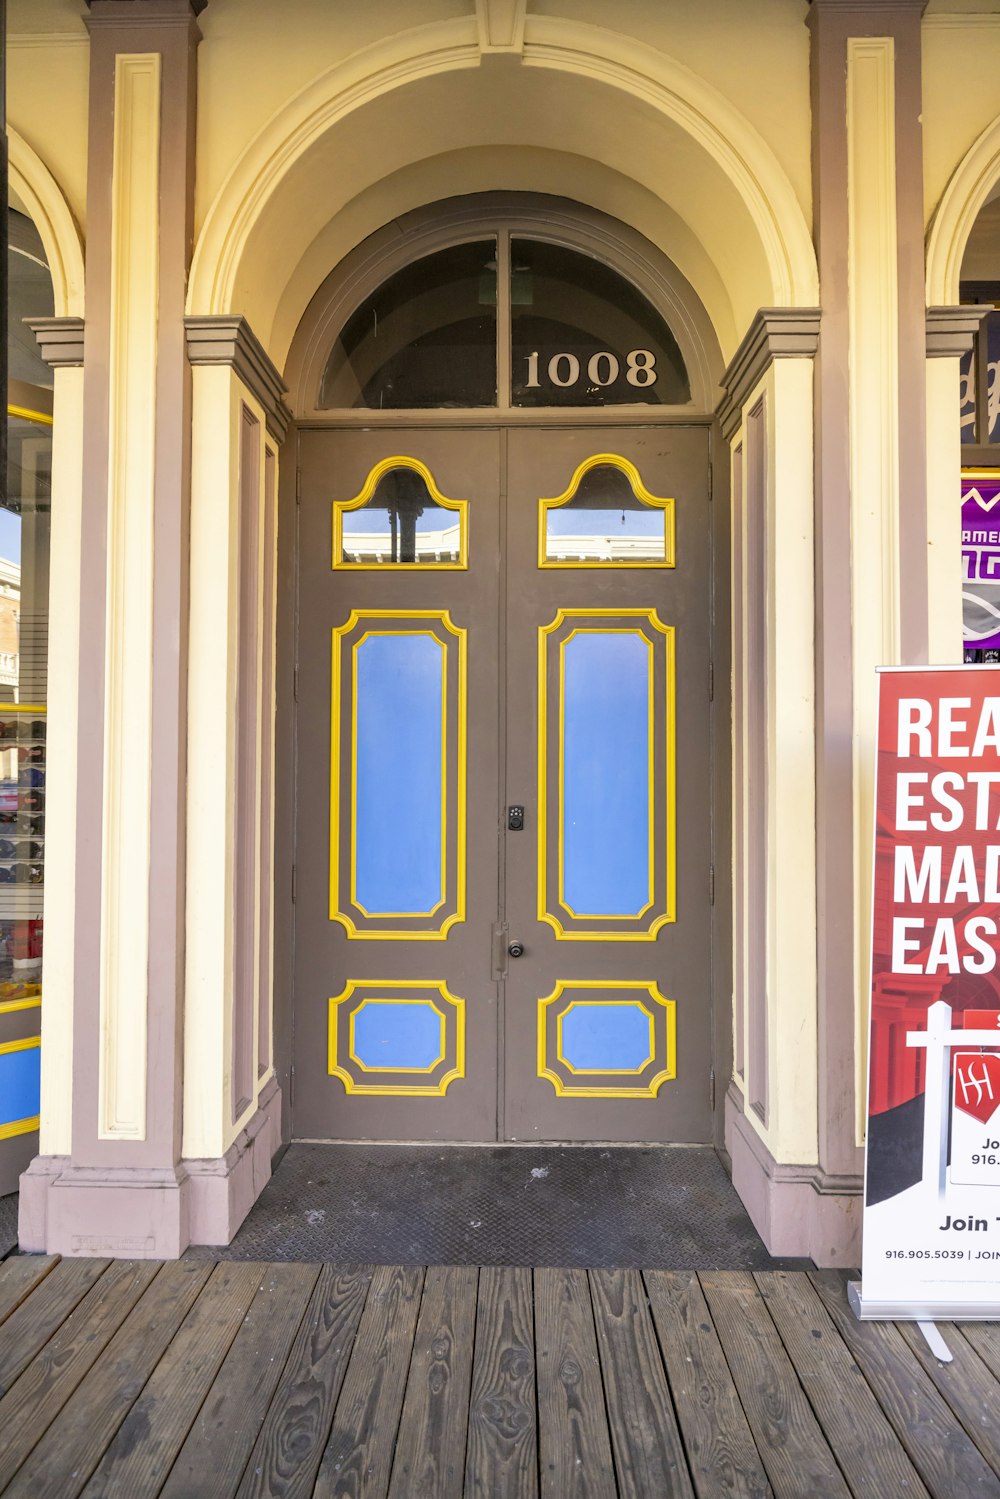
194 1381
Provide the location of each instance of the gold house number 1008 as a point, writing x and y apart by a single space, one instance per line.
602 369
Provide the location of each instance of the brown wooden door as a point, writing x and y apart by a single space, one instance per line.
607 1011
436 697
395 1021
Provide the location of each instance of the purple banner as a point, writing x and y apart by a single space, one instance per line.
981 558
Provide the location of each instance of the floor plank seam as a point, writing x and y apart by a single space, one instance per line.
604 1382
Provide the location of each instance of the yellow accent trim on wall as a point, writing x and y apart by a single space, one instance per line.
362 499
19 1127
387 999
393 1090
651 617
641 492
649 1089
583 1004
340 633
42 417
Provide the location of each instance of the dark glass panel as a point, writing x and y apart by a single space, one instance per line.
992 327
426 338
584 336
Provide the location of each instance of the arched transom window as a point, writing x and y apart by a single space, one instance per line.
504 321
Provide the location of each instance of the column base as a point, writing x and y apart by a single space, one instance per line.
801 1212
135 1213
143 1213
223 1190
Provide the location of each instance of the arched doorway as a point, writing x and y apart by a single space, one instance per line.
502 656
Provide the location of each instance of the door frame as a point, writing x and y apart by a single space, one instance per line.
628 252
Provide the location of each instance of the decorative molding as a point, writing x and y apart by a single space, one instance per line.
46 39
135 194
60 339
966 193
43 198
555 45
775 333
501 26
952 330
229 339
131 13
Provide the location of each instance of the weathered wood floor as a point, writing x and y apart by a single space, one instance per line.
135 1379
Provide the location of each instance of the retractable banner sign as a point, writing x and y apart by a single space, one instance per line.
931 1245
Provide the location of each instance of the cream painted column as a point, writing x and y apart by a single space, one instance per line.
231 1099
874 522
122 1190
772 1107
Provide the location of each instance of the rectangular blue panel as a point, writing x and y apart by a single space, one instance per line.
399 688
606 773
612 1037
20 1084
400 1036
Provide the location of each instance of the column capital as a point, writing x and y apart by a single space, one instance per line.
775 333
60 339
130 13
227 338
952 330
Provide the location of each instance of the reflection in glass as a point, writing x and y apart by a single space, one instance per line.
24 612
991 325
581 335
426 337
605 521
967 397
402 525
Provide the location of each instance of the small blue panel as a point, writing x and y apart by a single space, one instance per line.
606 822
20 1085
389 1034
612 1037
399 688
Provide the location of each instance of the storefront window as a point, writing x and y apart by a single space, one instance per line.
25 518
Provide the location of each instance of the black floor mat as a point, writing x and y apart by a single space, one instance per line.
8 1224
587 1206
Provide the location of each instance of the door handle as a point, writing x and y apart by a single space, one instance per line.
516 949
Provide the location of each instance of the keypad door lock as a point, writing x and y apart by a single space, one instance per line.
515 819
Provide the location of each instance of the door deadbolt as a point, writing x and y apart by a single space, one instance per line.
515 819
516 949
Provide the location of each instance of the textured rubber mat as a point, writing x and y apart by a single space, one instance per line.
585 1206
8 1224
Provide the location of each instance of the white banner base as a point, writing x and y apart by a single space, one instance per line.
867 1309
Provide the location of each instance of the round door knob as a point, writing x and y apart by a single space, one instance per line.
516 949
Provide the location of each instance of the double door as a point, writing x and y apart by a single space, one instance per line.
503 785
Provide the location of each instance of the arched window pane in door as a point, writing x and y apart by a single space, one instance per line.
581 335
400 519
606 518
426 338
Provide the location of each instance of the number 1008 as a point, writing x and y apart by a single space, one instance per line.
603 369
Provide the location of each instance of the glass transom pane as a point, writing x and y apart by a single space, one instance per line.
581 335
425 338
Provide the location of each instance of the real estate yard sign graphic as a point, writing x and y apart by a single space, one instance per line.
931 1244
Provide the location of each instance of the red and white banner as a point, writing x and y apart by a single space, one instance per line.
931 1245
